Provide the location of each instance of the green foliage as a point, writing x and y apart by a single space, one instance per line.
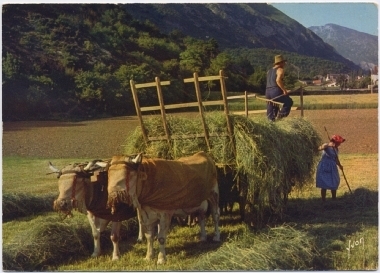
77 60
11 67
258 81
307 66
363 83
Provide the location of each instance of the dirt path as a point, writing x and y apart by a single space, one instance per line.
103 138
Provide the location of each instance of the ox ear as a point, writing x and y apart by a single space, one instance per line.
137 159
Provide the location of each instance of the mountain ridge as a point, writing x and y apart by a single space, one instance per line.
359 47
252 25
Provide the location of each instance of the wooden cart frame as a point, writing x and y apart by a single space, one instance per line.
199 103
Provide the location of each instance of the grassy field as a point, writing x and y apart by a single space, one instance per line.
315 102
323 230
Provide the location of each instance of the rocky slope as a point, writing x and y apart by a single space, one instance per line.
361 48
252 25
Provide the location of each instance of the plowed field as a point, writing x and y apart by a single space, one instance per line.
104 137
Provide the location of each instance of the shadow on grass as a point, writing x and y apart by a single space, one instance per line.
350 208
328 225
332 221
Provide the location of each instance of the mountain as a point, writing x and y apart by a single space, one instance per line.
361 48
251 25
76 60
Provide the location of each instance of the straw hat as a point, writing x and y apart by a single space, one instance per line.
279 59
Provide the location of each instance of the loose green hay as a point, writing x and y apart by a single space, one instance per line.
280 248
46 241
42 243
20 205
274 157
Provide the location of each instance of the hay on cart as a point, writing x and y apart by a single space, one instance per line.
274 157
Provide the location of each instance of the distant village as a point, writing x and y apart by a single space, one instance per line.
333 80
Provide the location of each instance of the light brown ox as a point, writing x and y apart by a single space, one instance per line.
161 188
82 189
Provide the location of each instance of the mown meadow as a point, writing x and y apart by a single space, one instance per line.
316 102
311 235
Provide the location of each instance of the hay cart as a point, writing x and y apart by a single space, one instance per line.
227 158
199 104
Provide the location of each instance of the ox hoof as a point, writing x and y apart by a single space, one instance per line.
216 239
139 240
148 259
203 239
115 258
94 255
160 261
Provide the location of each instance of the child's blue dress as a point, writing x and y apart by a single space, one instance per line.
327 170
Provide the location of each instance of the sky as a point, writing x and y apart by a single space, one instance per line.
359 16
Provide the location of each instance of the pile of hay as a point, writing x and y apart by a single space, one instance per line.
43 243
19 205
274 157
289 249
46 241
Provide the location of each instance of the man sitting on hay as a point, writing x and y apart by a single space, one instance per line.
276 92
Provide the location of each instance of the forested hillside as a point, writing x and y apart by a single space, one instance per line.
76 60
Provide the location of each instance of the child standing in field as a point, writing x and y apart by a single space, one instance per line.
327 172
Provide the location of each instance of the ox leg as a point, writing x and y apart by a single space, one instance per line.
149 230
146 222
202 225
163 229
201 214
115 238
140 236
215 211
97 226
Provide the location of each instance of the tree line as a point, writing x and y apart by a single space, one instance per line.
77 60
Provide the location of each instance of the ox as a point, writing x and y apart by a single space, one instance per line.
232 189
83 189
161 188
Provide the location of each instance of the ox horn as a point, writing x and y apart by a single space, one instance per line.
102 164
54 169
89 165
137 159
95 164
